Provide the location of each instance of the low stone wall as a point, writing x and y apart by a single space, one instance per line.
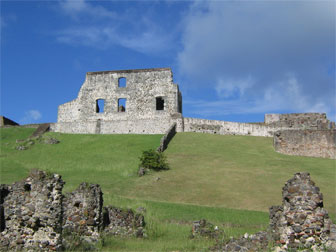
227 128
35 215
171 132
313 143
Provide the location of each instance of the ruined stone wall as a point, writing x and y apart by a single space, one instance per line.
312 143
142 113
301 221
4 121
299 224
299 121
32 213
273 123
36 216
227 128
171 132
83 213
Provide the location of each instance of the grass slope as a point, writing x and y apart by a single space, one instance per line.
210 175
242 172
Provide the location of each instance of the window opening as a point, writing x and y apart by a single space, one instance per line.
100 105
159 103
122 105
27 187
122 82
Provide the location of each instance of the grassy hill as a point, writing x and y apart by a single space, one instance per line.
228 180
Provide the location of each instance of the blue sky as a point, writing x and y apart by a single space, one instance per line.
233 60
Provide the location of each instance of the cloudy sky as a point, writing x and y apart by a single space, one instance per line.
233 60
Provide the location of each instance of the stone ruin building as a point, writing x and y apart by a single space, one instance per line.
143 101
147 101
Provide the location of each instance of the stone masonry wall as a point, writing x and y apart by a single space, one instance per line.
227 128
301 221
315 121
313 143
141 115
35 216
171 132
83 213
32 213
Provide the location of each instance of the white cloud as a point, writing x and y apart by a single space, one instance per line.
31 116
147 41
260 56
284 95
230 87
127 29
74 8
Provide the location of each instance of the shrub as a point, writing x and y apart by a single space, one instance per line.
153 160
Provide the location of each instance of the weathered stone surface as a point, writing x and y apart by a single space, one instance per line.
51 140
82 213
168 136
32 213
202 228
248 243
42 128
313 143
21 147
141 172
122 222
301 222
316 121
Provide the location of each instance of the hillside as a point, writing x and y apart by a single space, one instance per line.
210 176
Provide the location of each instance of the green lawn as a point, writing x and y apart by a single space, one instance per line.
229 180
241 172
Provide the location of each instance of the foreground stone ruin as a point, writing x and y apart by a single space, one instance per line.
301 223
35 215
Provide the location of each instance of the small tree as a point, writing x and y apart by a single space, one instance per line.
155 160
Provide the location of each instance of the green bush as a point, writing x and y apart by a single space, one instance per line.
153 160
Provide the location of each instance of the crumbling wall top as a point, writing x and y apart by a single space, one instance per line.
131 71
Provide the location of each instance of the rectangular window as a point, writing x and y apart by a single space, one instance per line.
159 103
100 105
122 105
122 82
